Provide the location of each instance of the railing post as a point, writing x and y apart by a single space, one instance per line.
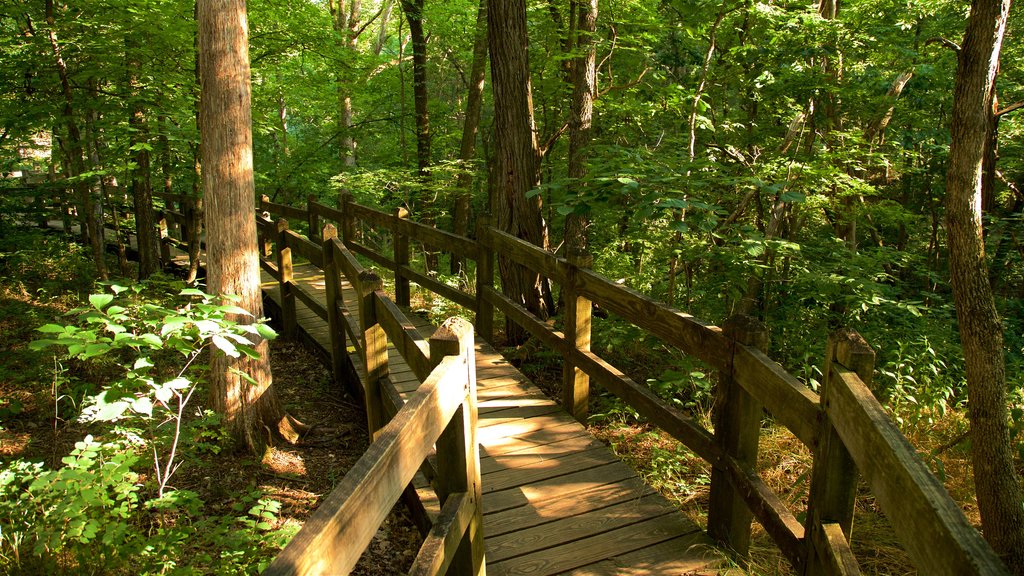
348 222
286 277
332 284
313 220
737 420
264 199
834 475
375 351
458 454
401 242
484 279
577 324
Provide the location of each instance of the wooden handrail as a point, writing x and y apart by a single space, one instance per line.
756 380
848 430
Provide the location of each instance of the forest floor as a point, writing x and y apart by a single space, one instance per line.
39 405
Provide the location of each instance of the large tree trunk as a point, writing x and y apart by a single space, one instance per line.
249 404
516 155
981 333
467 151
584 82
92 228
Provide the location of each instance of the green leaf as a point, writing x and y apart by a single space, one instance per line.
191 292
99 301
142 362
226 346
152 339
143 406
266 331
50 329
164 394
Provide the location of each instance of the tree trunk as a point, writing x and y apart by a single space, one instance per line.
584 86
141 182
195 225
467 152
981 333
345 18
92 229
516 155
249 404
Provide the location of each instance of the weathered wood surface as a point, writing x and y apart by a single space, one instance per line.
576 506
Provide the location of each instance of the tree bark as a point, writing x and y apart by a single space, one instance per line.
584 86
981 333
516 155
345 18
467 151
141 182
250 407
92 229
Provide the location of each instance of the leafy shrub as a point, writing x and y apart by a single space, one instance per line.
110 507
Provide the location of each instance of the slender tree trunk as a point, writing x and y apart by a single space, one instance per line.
249 404
584 87
382 34
103 180
423 204
93 226
516 155
467 152
196 223
981 332
345 18
141 182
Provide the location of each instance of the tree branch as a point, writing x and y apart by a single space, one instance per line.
945 42
1010 108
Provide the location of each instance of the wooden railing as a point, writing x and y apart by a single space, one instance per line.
845 427
442 413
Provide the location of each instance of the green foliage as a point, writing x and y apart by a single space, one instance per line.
103 511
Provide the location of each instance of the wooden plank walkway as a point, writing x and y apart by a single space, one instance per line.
556 501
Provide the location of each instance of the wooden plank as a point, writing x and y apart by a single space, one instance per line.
373 255
457 296
375 217
576 527
522 252
927 521
312 303
348 265
305 248
792 403
532 454
781 525
537 470
558 487
283 210
551 509
691 554
406 338
693 336
438 550
835 549
439 239
335 535
595 548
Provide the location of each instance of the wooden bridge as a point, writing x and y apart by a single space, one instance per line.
498 473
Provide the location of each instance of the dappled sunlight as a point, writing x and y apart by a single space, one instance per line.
284 462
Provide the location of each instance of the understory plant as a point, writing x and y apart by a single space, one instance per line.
112 506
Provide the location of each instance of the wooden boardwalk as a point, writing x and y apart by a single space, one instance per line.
556 501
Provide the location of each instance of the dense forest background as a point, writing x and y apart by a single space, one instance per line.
745 156
781 159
